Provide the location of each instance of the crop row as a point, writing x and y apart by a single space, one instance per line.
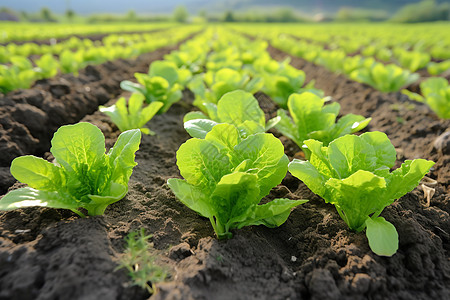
384 77
75 54
13 31
230 164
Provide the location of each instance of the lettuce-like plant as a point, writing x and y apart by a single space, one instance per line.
133 116
438 68
312 120
238 108
412 60
436 94
163 83
47 66
352 173
211 86
390 78
71 62
227 176
83 176
282 80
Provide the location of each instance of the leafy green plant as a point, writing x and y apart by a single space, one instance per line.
390 78
71 62
238 108
436 94
412 60
312 120
47 66
211 86
438 68
227 176
161 84
352 173
133 116
19 75
282 80
84 175
140 263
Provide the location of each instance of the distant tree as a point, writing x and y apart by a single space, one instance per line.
424 11
46 15
229 17
131 16
70 14
202 14
285 15
180 14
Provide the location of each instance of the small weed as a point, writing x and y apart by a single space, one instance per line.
140 262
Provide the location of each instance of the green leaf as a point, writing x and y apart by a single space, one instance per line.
193 115
239 106
271 214
357 196
75 146
165 69
349 154
198 128
27 197
36 172
269 162
307 173
382 236
121 155
407 177
233 195
224 135
191 196
132 87
201 163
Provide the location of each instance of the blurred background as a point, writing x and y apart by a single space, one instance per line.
200 11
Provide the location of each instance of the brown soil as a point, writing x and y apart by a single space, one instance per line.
54 254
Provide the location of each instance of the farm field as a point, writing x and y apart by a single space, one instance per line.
394 82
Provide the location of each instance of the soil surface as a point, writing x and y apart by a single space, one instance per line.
54 254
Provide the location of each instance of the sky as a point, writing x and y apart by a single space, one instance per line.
85 7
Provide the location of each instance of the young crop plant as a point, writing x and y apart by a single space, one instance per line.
436 94
140 262
238 108
412 60
20 75
163 83
282 80
227 176
439 68
47 66
352 173
83 176
390 78
133 116
311 119
211 86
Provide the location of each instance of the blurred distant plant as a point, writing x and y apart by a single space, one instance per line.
180 14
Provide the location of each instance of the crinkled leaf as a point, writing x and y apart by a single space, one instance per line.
268 159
